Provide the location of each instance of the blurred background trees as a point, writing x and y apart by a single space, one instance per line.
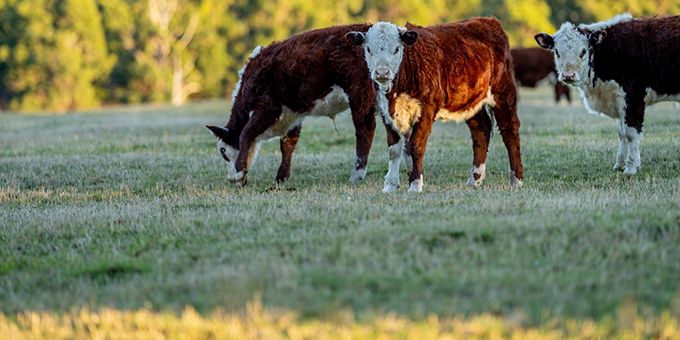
74 54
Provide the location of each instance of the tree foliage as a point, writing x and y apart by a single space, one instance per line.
71 54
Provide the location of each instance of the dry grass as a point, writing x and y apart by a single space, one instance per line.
257 323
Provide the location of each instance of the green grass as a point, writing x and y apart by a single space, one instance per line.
130 207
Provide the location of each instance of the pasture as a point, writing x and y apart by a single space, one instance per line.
129 208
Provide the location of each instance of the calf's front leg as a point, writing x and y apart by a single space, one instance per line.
259 122
395 146
417 144
623 147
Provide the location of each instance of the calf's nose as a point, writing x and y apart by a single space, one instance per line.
568 77
382 74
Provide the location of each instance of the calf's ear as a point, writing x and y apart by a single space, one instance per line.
597 37
355 38
545 40
219 132
408 37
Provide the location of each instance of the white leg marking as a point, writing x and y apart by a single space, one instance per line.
481 172
514 181
357 174
623 147
392 176
633 159
417 185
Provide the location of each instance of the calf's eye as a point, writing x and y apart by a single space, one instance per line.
583 52
557 53
396 50
223 150
368 49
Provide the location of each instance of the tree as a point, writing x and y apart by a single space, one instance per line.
525 18
605 9
71 54
54 56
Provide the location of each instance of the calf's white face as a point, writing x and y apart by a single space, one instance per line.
571 48
229 154
226 151
384 50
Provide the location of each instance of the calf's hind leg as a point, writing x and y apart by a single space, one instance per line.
480 131
364 126
505 112
416 145
287 143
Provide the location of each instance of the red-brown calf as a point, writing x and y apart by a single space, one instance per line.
448 72
314 73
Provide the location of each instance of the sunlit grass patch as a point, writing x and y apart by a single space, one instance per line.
257 322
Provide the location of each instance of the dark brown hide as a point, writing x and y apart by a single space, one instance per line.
534 64
639 55
294 73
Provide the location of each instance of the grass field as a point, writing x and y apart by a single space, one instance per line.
129 208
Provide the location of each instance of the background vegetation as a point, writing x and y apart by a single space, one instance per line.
76 54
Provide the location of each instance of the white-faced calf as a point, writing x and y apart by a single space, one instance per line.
447 72
620 66
314 73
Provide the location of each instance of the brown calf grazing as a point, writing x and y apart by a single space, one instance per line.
315 73
534 64
460 71
620 66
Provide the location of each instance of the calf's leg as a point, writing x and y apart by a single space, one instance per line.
395 147
480 132
416 147
363 117
287 144
635 111
407 153
622 154
505 112
259 122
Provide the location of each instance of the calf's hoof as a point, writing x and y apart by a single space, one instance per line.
619 166
239 180
390 187
417 185
630 171
279 183
357 175
515 183
477 175
391 183
475 183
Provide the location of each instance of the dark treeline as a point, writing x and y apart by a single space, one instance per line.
74 54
